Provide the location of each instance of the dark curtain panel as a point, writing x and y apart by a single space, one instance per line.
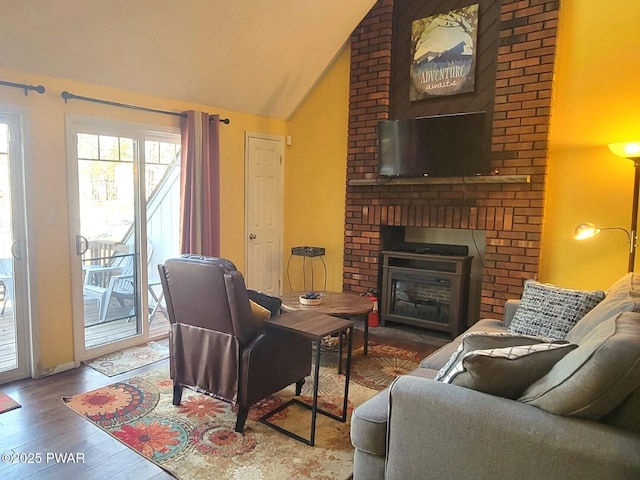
200 184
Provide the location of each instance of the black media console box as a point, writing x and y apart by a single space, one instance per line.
431 248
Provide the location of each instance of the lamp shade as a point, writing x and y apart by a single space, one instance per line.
586 230
626 149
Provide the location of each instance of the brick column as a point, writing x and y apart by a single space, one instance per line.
511 214
368 104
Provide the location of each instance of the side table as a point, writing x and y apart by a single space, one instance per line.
338 304
314 326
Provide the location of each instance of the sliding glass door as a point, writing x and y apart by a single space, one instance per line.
126 200
14 315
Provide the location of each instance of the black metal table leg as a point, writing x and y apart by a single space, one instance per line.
314 406
340 352
347 375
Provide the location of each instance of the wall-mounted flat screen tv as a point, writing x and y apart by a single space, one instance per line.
437 146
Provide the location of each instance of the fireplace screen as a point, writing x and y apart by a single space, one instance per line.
425 290
421 298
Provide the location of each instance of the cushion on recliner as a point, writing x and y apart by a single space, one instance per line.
622 296
259 311
547 310
593 379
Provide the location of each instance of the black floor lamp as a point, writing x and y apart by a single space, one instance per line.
630 150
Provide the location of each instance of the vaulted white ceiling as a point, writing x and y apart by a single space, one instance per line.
255 56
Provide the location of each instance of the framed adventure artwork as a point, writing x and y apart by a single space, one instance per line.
443 53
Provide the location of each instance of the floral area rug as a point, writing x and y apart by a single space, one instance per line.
197 439
129 359
383 363
7 403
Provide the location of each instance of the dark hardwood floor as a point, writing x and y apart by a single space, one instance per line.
45 425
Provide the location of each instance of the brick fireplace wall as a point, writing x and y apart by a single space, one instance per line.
510 213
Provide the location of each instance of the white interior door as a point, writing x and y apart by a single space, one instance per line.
264 204
14 310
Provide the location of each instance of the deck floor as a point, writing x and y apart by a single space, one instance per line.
119 327
7 340
95 333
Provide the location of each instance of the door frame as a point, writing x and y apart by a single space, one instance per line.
24 271
279 215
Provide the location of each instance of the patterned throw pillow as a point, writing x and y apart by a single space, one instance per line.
549 311
506 372
482 340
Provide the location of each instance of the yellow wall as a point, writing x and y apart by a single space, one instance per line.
596 102
47 189
315 173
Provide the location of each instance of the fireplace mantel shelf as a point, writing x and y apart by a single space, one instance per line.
440 180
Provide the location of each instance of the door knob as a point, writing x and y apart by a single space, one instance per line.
253 236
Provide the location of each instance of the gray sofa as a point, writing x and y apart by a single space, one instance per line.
420 428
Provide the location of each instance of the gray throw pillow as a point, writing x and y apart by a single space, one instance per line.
506 372
549 311
482 340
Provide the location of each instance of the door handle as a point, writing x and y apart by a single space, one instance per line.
15 252
82 245
253 236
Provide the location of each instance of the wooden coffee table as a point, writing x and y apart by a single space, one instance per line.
336 304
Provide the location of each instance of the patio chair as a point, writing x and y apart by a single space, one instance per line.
217 346
115 280
112 277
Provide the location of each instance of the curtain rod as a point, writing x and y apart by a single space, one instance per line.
70 96
40 88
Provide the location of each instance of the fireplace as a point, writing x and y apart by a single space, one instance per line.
517 60
426 290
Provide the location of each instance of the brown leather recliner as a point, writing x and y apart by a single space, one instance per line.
217 346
